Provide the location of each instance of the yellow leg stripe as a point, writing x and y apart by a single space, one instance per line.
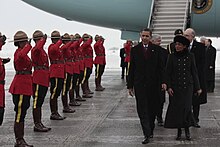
128 68
36 96
71 82
55 88
19 109
64 85
84 76
77 82
97 71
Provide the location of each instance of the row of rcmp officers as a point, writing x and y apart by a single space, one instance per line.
71 64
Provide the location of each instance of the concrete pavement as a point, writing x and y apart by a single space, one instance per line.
109 119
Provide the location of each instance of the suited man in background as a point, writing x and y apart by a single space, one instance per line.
210 65
199 51
123 64
156 39
146 70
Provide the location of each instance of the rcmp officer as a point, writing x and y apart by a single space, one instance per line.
57 74
2 79
88 62
171 46
21 86
127 56
40 78
76 72
99 61
68 57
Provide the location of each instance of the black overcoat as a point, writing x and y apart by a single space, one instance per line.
210 63
182 77
146 73
122 56
199 51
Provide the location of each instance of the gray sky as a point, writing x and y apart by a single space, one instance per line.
17 15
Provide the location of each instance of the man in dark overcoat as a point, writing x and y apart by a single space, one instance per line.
210 65
146 68
123 63
198 49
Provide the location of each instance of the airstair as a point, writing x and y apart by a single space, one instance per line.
168 16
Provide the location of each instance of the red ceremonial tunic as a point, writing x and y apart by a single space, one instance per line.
2 87
75 50
88 53
56 59
68 57
40 63
127 52
100 53
22 83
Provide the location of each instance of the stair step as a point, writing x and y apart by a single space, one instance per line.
168 17
158 25
170 9
170 13
167 21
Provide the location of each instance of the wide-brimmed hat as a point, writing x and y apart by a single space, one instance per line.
37 34
77 36
55 34
178 32
66 37
0 34
20 36
97 37
181 39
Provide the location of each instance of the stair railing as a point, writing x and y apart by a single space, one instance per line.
151 14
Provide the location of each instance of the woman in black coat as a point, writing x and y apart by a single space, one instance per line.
182 80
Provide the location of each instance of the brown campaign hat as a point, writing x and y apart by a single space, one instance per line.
0 34
97 37
55 34
37 34
85 36
77 36
66 37
20 36
178 32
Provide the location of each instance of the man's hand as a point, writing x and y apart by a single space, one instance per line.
198 92
131 92
164 87
170 91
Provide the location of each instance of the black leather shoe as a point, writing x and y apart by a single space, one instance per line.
146 140
179 133
196 125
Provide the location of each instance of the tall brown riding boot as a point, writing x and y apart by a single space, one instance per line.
37 121
48 128
87 87
19 135
78 97
100 80
85 92
2 110
73 102
66 108
98 86
54 110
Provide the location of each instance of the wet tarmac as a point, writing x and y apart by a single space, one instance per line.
109 119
